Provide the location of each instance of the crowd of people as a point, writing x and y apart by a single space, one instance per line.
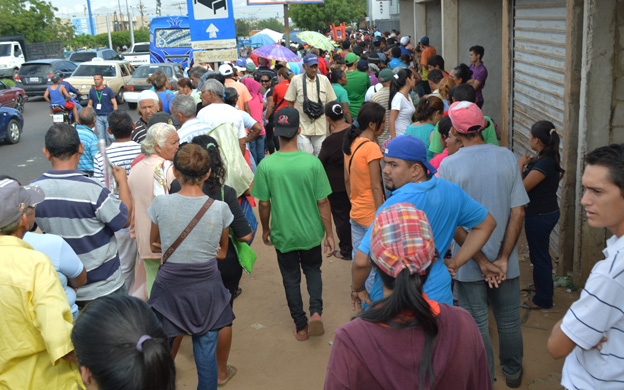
147 227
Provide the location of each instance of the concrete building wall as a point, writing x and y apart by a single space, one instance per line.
434 25
617 121
480 23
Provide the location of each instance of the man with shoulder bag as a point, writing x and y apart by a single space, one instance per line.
308 93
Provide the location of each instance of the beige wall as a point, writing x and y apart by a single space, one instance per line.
617 121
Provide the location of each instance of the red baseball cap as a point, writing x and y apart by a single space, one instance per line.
466 117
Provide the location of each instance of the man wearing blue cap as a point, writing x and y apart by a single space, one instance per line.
308 93
410 178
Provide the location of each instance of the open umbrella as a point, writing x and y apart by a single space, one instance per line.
315 39
266 37
276 52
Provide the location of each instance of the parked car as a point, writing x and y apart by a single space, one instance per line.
34 76
89 54
116 74
138 81
11 125
12 97
138 54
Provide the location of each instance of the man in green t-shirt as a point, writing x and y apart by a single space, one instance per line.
357 84
464 92
292 187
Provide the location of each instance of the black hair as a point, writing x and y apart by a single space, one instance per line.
398 81
333 110
407 295
218 171
396 52
120 124
62 141
98 74
336 75
545 132
370 113
463 72
346 44
216 76
106 340
444 126
231 96
612 158
464 93
436 60
451 95
428 106
436 75
478 50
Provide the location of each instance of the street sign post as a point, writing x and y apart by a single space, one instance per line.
212 29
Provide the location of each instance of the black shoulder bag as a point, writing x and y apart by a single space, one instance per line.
314 110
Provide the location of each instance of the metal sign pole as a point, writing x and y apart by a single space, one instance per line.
286 28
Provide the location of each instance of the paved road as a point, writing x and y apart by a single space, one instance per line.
25 160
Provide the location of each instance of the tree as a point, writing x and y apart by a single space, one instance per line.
320 16
242 28
272 24
35 19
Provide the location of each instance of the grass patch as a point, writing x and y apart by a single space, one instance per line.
9 82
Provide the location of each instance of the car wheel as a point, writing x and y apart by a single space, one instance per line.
15 72
13 133
132 106
19 103
120 97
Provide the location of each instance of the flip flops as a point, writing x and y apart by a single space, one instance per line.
338 255
531 306
233 372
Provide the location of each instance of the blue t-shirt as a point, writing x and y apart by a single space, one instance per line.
103 97
447 206
396 63
165 97
68 87
405 51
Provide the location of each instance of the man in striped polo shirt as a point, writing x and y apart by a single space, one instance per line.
120 153
83 212
591 334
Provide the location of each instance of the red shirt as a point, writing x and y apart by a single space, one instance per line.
279 92
323 66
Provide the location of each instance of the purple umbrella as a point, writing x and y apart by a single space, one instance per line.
276 52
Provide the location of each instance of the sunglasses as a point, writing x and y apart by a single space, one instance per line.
265 81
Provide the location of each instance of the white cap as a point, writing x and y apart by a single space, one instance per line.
226 69
149 95
405 40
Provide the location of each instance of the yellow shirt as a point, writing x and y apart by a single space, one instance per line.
294 94
35 321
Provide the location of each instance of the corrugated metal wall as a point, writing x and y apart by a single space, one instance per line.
539 36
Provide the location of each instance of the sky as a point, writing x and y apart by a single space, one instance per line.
169 7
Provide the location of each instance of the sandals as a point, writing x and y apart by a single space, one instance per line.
529 305
338 255
233 372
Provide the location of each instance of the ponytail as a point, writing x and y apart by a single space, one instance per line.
398 81
370 113
407 296
545 131
352 133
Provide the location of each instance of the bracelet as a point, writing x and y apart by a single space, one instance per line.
357 290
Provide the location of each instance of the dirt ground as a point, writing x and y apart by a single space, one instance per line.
268 356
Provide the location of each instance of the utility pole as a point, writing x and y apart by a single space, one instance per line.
158 10
130 25
179 5
141 10
91 18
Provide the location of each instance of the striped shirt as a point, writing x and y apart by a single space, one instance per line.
86 215
90 142
120 154
192 128
140 131
598 313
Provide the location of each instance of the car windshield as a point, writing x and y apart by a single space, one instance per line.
5 50
90 70
35 69
144 48
82 56
145 71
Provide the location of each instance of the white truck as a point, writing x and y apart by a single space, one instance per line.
138 54
14 51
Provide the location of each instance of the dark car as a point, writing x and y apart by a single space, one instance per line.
11 125
34 76
12 97
89 55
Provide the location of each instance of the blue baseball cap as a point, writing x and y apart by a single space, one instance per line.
409 148
382 57
310 59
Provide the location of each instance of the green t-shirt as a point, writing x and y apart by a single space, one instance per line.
341 94
422 132
357 85
489 135
293 182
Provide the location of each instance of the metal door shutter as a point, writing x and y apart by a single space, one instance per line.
539 36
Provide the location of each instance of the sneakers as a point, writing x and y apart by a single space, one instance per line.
316 325
514 383
302 335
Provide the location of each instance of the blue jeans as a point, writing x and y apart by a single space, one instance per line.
357 234
538 229
505 303
101 125
256 147
204 350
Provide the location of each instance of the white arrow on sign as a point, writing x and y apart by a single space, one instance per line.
212 31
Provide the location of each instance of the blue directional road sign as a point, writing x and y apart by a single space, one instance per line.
212 24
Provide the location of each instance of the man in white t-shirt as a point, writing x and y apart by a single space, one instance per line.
591 334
